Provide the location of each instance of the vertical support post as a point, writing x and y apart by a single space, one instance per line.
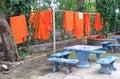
54 35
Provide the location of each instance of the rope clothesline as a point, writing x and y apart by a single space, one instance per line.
73 11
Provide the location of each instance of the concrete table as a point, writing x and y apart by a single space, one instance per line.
82 52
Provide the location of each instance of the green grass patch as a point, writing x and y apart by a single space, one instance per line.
92 57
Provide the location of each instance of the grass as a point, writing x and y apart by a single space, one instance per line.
92 57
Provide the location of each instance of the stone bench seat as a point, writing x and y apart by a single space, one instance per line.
112 46
63 54
105 45
62 61
107 64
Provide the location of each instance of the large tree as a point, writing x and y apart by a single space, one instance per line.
12 8
8 42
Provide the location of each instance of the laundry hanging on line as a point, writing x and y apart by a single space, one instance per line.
68 21
87 24
42 24
75 21
19 28
78 25
97 22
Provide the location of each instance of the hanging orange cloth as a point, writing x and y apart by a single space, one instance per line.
31 17
97 22
78 25
45 24
42 24
36 24
87 23
68 21
19 28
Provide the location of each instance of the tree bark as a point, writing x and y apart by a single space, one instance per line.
9 45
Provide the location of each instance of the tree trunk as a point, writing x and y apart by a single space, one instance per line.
9 45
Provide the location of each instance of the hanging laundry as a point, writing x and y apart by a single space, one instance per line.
68 21
36 24
31 17
97 22
78 25
42 24
19 28
45 24
87 23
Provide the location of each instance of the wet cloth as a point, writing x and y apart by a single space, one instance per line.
78 25
87 24
97 22
68 21
19 28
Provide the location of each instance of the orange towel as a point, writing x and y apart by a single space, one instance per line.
19 28
78 25
97 23
87 24
68 21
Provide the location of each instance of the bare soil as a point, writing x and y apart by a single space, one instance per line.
37 67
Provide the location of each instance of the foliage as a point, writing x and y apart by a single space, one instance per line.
117 24
107 10
89 6
16 7
23 54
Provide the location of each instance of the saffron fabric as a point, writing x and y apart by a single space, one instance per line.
19 28
45 24
97 22
42 24
87 24
31 17
78 25
36 24
68 21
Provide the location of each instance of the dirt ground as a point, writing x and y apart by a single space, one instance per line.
38 68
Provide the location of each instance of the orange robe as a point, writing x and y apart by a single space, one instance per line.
45 24
31 17
36 24
87 24
19 28
68 21
78 25
97 22
42 24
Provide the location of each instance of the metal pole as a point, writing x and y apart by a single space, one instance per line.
54 35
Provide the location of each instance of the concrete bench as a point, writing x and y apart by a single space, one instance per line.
107 64
62 61
104 44
98 52
63 54
112 46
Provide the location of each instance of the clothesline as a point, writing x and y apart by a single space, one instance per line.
73 11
